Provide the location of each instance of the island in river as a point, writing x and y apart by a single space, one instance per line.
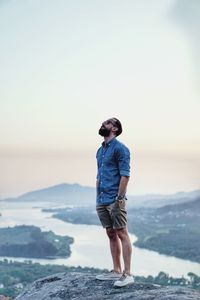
31 242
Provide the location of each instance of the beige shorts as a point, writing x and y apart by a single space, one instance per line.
113 215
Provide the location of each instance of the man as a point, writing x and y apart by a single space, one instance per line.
113 162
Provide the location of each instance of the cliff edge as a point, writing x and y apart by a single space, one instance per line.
82 286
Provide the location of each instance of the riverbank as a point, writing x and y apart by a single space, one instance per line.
90 247
172 230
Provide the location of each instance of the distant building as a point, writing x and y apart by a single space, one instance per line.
18 286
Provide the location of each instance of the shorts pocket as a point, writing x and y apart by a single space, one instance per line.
121 203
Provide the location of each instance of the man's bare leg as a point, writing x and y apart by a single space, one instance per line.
115 248
126 248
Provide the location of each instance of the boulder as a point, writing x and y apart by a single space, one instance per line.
82 286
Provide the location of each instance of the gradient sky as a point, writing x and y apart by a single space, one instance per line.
67 65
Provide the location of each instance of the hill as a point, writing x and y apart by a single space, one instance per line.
172 229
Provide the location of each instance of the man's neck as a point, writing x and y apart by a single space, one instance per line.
107 139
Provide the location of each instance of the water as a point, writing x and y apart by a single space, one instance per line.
90 247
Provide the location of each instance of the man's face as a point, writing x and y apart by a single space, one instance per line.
106 128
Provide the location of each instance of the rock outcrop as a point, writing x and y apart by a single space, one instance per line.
82 286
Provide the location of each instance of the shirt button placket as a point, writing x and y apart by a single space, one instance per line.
102 168
101 179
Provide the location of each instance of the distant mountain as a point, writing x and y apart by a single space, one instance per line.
76 194
158 200
60 194
189 210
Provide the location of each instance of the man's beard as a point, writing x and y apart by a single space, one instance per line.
104 131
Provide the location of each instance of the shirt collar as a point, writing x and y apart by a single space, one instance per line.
109 143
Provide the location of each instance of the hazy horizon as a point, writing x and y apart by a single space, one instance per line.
87 186
67 66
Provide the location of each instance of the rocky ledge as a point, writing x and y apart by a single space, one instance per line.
80 286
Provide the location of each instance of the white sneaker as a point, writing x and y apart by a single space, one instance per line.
112 275
124 280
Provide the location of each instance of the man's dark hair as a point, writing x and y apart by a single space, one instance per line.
118 124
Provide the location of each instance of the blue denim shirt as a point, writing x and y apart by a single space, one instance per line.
113 161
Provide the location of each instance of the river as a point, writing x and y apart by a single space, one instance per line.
90 247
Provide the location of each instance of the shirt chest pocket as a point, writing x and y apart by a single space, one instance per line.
110 159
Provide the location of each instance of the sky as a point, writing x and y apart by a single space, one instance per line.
68 65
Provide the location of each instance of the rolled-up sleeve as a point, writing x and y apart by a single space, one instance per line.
123 158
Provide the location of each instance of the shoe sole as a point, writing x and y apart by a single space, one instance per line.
108 279
120 286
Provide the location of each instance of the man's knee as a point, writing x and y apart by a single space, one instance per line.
122 233
111 233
